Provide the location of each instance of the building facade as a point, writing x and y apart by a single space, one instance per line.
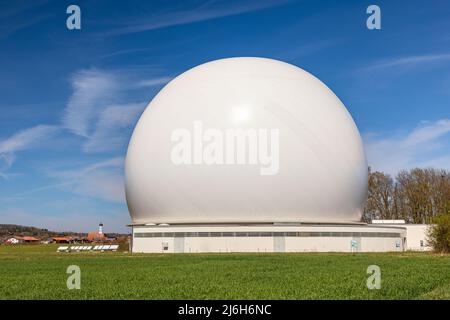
268 238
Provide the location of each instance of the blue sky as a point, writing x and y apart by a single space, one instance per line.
70 98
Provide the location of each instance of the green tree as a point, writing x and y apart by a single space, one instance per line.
439 233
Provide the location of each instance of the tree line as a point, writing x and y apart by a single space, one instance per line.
416 195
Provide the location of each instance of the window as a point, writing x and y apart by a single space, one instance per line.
241 234
228 234
203 234
215 234
269 234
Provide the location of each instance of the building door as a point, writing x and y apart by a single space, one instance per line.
279 244
178 244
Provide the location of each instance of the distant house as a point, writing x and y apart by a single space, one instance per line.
63 239
28 239
24 239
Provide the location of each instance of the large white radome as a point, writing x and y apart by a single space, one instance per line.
322 174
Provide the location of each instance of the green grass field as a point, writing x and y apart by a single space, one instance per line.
38 272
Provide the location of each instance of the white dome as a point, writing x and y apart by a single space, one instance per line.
314 170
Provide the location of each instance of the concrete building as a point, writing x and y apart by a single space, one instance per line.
250 155
280 238
62 239
267 238
416 239
416 234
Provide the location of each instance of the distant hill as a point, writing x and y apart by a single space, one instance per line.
8 230
17 230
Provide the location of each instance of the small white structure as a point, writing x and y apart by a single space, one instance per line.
388 221
416 237
416 234
12 241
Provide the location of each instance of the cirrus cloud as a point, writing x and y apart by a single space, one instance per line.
427 145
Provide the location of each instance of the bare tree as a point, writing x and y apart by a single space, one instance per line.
416 195
379 198
424 193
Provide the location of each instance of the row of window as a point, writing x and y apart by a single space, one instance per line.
265 234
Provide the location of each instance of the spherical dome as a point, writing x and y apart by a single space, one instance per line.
245 140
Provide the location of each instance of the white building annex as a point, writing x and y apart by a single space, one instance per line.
250 155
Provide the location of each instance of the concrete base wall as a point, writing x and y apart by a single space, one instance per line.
267 238
417 235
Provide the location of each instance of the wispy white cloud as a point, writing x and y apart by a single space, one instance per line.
7 158
95 109
23 140
26 138
124 52
153 82
92 90
19 15
407 61
8 29
109 129
308 48
116 162
104 185
426 145
96 112
206 11
19 7
101 180
428 132
8 175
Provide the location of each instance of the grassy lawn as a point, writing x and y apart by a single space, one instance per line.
38 272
